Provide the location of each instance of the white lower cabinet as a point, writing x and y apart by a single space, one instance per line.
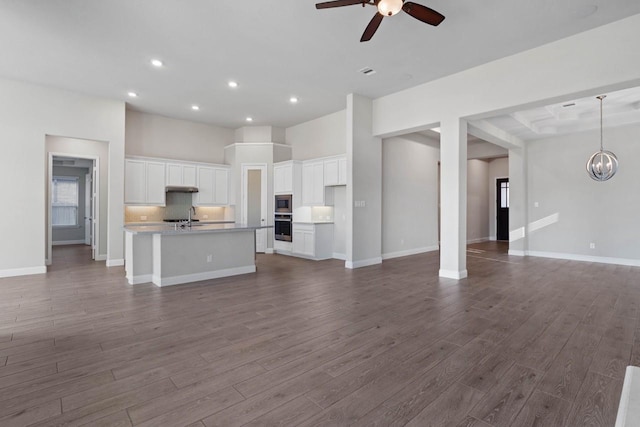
313 240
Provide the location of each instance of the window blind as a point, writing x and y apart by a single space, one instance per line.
64 201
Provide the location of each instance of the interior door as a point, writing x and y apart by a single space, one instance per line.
502 209
254 198
94 211
88 192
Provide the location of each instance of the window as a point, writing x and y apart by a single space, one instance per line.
64 201
504 194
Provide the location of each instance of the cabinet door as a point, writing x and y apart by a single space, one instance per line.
342 171
331 172
174 174
318 183
221 182
297 238
283 179
206 189
309 243
155 183
135 188
189 176
308 184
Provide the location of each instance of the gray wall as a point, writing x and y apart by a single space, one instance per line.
321 137
477 200
157 136
72 234
574 210
409 196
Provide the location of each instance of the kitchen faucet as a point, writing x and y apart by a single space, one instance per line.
191 209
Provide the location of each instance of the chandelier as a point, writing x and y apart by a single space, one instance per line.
602 165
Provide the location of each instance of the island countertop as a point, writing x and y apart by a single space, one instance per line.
194 229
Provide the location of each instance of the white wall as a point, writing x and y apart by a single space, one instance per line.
321 137
27 114
498 168
574 210
340 221
157 136
477 200
409 195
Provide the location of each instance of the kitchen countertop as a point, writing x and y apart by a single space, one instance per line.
313 222
166 229
205 221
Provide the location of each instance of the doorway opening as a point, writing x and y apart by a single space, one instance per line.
73 207
254 200
502 209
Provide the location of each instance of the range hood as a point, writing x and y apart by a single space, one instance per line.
180 189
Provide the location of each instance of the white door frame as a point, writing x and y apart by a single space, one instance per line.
96 165
245 168
88 204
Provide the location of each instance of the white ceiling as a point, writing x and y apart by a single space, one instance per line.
274 49
571 116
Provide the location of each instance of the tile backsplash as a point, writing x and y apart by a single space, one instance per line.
178 205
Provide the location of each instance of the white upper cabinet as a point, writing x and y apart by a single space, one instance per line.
146 179
181 174
221 196
155 183
213 186
335 171
144 182
135 189
283 178
313 183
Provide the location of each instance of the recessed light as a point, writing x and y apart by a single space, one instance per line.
233 84
132 94
195 107
249 119
293 100
156 63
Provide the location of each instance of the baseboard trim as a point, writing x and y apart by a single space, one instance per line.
408 252
269 251
585 258
479 240
197 277
67 242
453 274
363 263
101 257
337 255
143 278
515 252
492 238
13 272
115 262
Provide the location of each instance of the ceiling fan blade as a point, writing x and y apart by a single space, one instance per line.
371 28
338 3
423 13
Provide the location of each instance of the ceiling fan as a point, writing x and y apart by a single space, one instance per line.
387 8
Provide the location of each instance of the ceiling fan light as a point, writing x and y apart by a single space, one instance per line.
389 7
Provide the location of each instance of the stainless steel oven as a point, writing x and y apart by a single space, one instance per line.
283 204
282 227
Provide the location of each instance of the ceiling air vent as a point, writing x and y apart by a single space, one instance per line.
572 104
367 71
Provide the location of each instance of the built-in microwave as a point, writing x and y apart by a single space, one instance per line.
283 204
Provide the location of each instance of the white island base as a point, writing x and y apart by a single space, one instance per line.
172 258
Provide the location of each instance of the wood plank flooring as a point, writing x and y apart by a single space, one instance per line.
521 342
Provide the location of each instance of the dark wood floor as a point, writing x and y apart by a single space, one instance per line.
522 342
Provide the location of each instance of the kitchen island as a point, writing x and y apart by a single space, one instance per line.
170 255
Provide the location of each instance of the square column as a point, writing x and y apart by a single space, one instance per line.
364 185
518 196
453 198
